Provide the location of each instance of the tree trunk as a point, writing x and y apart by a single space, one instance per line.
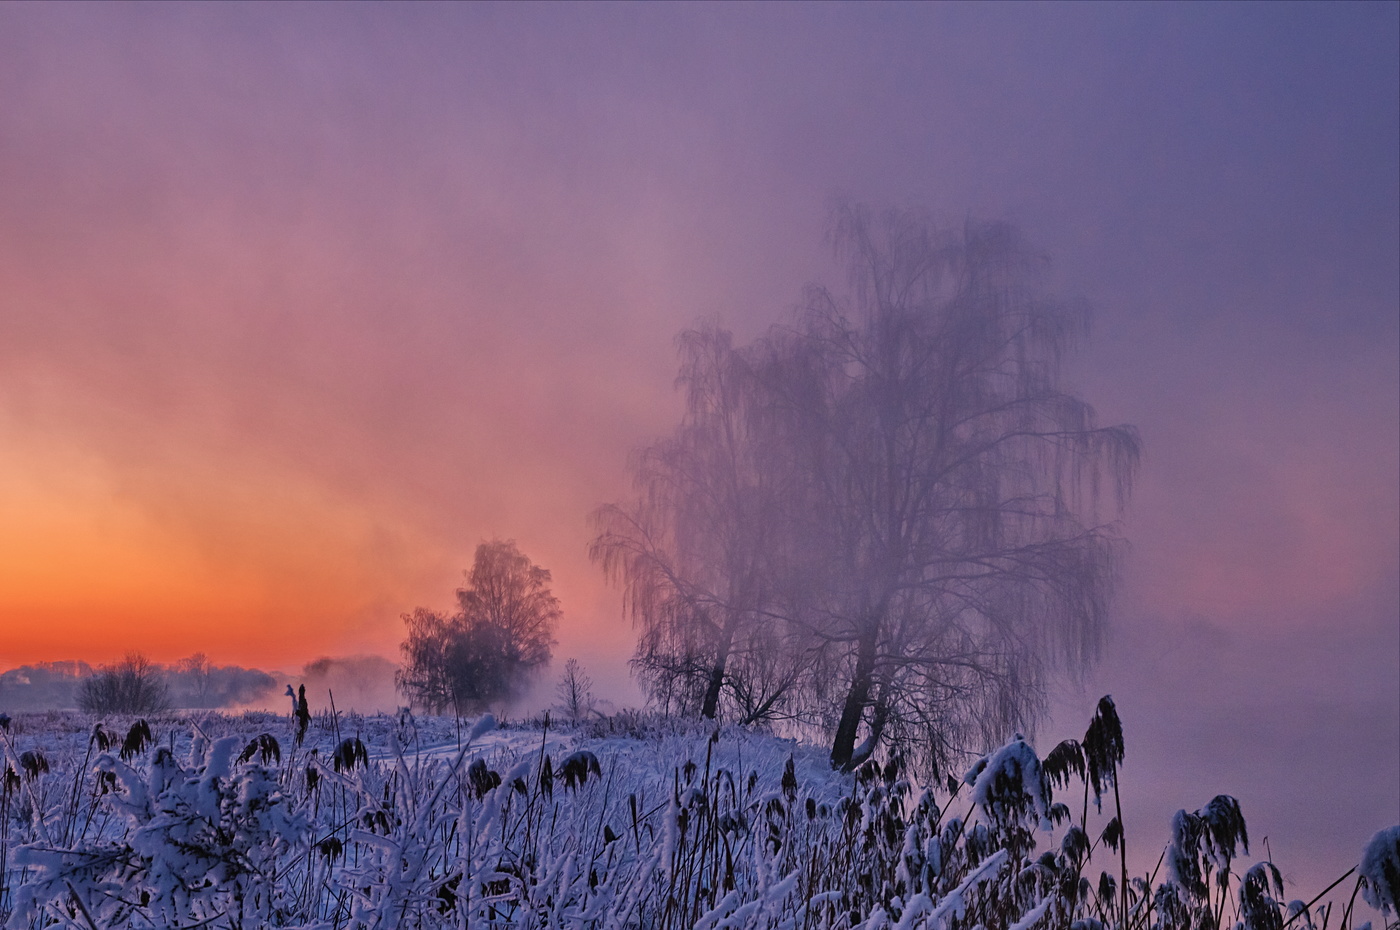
710 708
843 744
878 718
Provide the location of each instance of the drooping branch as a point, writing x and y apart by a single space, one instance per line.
882 514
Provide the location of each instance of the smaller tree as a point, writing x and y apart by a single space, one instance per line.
192 678
575 692
487 651
133 686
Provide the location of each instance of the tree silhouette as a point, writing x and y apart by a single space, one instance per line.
575 692
131 686
501 634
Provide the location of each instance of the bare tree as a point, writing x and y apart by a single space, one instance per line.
891 502
195 673
131 686
957 483
502 633
575 692
697 551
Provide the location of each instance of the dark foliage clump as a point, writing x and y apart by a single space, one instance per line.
482 779
265 747
349 753
577 766
34 763
137 739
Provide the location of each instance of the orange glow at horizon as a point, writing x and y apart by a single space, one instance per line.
218 540
253 569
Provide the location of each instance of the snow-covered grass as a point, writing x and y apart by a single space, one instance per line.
632 821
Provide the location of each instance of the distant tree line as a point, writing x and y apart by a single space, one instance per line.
880 519
132 685
42 686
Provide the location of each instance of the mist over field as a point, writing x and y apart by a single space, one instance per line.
300 306
358 683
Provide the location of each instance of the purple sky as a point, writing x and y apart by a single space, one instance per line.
298 304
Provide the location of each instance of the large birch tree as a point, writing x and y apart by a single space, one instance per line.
897 504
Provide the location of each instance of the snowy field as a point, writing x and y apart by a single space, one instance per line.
390 821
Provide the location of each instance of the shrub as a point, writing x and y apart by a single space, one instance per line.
131 686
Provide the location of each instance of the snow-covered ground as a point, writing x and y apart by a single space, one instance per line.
631 821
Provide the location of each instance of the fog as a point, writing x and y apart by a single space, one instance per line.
297 306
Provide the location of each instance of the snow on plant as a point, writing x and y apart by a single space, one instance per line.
1010 784
1380 871
216 822
202 843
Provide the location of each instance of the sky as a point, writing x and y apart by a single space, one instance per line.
300 303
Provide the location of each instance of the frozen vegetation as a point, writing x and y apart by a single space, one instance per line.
631 821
